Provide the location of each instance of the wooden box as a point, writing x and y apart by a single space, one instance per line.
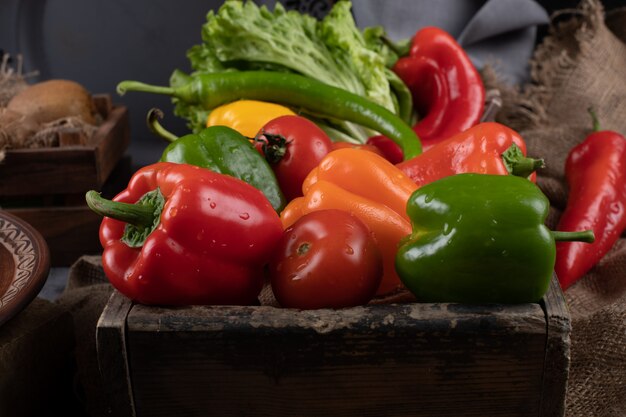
84 164
46 186
378 360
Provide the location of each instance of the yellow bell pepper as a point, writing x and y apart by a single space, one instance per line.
246 116
368 186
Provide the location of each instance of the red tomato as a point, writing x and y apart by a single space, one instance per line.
293 146
327 259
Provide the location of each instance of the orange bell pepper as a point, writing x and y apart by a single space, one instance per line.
368 186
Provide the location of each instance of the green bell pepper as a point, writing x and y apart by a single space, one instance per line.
223 150
479 239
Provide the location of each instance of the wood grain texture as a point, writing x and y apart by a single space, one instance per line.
111 140
112 355
72 137
384 360
71 229
557 352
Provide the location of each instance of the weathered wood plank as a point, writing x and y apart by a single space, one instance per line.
69 227
395 360
113 355
69 231
108 152
557 352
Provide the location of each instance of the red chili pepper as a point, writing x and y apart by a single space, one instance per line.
186 235
390 150
596 173
487 148
447 90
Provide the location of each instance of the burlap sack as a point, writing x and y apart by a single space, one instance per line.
85 296
581 63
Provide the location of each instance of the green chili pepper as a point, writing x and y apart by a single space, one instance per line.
223 150
479 239
214 89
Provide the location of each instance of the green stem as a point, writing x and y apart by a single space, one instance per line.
586 236
140 215
141 218
526 166
152 119
146 88
400 48
518 164
594 119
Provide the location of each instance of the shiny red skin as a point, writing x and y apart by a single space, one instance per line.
596 173
447 90
477 150
307 145
342 266
215 235
389 149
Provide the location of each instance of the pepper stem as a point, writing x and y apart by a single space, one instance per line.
400 48
152 119
138 215
586 236
141 218
594 119
125 86
518 164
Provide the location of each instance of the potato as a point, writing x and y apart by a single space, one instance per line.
50 100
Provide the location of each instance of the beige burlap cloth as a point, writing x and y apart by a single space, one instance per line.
581 63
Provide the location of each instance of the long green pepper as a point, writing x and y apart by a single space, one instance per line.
211 90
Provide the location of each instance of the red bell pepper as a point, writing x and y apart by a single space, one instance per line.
181 235
595 170
447 90
487 148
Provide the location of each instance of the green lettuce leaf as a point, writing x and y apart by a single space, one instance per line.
242 36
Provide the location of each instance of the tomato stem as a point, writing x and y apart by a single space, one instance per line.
274 146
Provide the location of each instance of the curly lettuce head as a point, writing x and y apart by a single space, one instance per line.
243 36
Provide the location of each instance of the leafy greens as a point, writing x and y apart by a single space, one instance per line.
243 36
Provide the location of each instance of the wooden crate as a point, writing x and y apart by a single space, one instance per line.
379 360
68 225
46 186
83 164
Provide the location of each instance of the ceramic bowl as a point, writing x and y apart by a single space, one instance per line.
24 265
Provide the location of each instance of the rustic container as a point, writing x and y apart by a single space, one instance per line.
46 186
379 360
